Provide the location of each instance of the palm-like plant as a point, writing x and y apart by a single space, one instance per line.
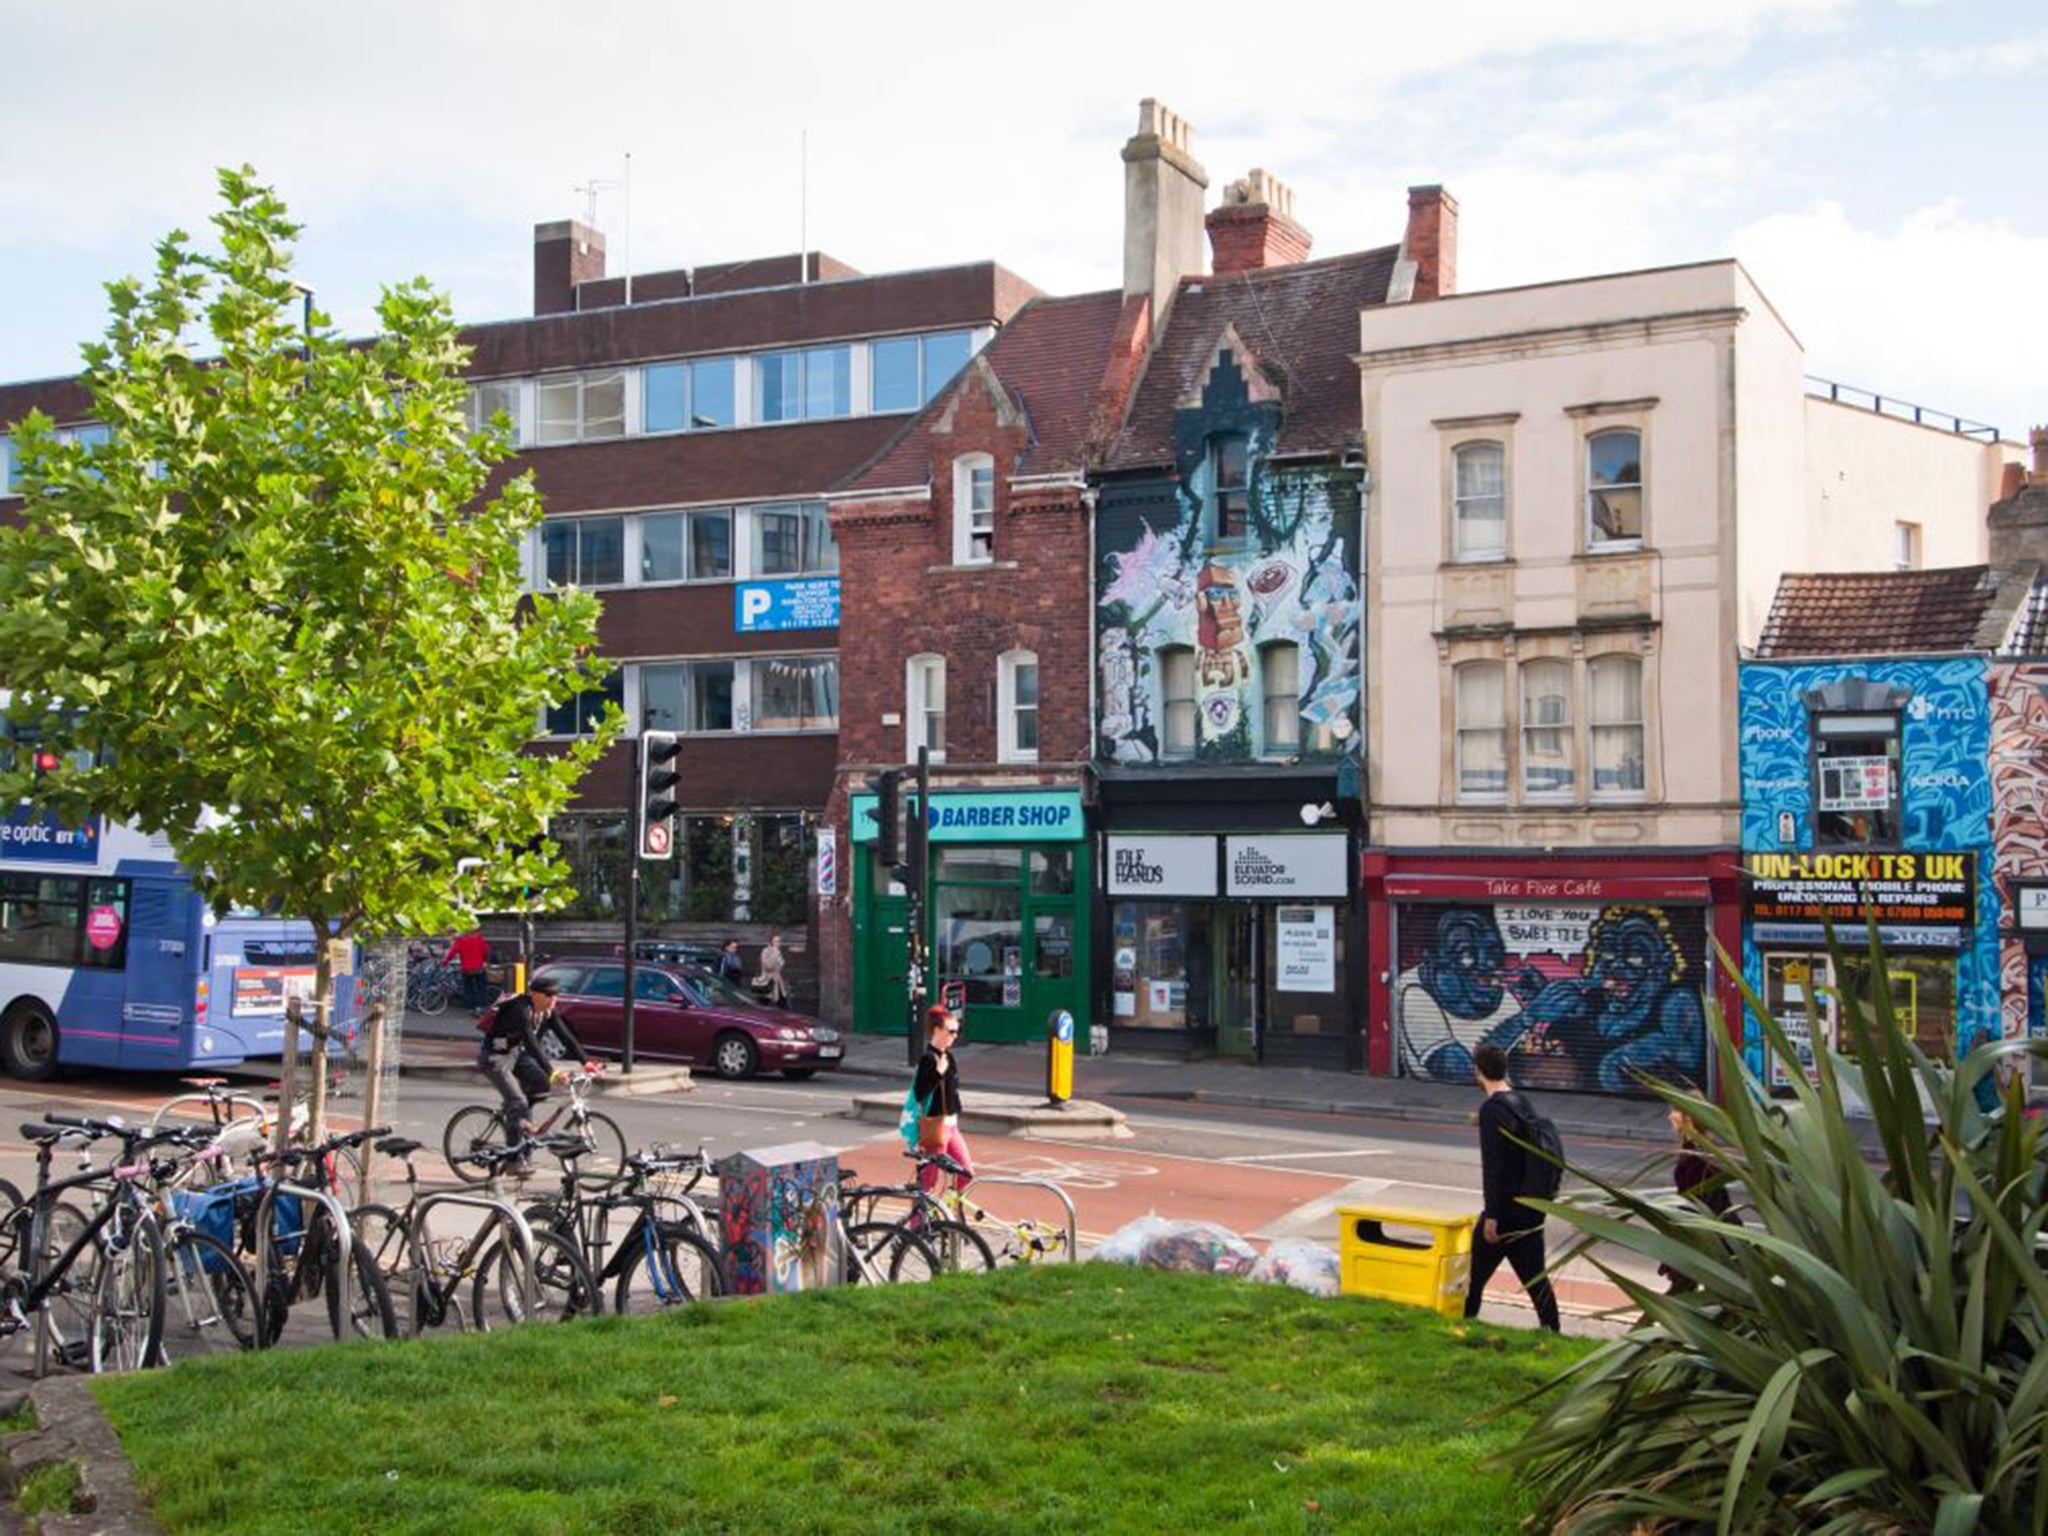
1862 1352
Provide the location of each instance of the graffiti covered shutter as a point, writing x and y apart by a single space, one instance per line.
1582 998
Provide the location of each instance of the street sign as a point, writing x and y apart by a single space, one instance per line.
657 840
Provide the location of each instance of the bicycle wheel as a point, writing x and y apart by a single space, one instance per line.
562 1283
370 1313
670 1268
472 1129
959 1247
209 1307
128 1309
601 1133
878 1251
199 1109
432 997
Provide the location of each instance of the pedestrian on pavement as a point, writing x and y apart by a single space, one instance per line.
1697 1176
1508 1229
730 966
937 1086
472 953
516 1052
769 984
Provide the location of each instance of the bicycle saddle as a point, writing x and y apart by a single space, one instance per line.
204 1082
398 1146
37 1130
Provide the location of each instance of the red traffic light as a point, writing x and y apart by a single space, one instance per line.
46 762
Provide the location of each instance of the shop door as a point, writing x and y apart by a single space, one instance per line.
881 950
1240 981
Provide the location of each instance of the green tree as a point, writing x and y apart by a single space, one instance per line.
276 616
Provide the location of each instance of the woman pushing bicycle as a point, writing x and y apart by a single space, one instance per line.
937 1086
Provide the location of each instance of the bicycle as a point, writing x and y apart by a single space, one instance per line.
431 1273
947 1242
210 1304
665 1257
1020 1241
476 1129
299 1255
428 985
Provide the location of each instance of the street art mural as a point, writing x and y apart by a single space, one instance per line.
1944 800
2019 824
1582 998
1199 631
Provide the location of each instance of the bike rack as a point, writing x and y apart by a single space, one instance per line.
1073 1228
266 1235
505 1211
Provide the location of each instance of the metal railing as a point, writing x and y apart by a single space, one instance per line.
504 1213
1017 1182
266 1236
1899 410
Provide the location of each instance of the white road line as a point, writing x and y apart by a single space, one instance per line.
1281 1157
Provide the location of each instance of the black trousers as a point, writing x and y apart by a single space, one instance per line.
1524 1251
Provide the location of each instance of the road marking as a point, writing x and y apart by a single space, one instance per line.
1281 1157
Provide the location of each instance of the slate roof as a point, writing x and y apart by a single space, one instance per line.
1874 613
1300 323
1050 359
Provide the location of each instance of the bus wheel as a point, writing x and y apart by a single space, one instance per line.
28 1043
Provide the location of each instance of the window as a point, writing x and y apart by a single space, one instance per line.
91 434
1177 701
1482 745
778 386
793 693
579 715
1546 730
1856 773
686 696
584 551
1280 686
493 398
828 383
665 398
686 546
945 354
712 393
1479 521
1229 492
573 407
791 540
925 705
1614 490
974 509
1615 696
1905 546
1017 706
43 920
893 374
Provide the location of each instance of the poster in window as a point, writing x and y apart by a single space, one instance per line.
1855 783
1307 944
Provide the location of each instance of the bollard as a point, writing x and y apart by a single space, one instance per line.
1059 1057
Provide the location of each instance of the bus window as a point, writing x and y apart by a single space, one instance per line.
39 919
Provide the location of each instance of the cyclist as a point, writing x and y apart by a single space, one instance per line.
519 1048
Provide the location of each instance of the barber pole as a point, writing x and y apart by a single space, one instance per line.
828 862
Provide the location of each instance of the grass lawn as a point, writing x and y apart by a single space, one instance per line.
1091 1397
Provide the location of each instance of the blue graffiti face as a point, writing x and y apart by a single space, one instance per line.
1632 960
1462 968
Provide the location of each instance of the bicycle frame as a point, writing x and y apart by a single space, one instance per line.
266 1236
502 1213
43 1279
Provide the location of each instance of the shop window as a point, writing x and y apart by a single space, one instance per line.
1546 730
1053 951
1482 745
974 509
1280 685
1229 489
1479 514
1922 990
925 706
1017 707
1052 872
1160 954
980 940
1177 701
1615 689
1856 779
1614 490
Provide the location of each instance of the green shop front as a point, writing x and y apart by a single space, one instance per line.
1006 914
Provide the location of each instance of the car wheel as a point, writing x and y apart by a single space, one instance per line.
733 1055
798 1074
28 1043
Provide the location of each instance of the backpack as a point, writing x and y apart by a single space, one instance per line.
1543 1166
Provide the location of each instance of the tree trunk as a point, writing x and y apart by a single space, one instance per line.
323 1015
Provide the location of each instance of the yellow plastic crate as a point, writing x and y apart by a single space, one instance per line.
1425 1261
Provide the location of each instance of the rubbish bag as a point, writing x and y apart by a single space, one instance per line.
1198 1248
1127 1242
1302 1264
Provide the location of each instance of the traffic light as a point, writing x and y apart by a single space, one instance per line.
657 793
888 788
45 762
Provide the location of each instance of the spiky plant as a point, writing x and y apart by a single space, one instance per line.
1862 1352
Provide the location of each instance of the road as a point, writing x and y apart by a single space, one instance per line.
1263 1173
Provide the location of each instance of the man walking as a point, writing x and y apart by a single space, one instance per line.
1508 1229
472 953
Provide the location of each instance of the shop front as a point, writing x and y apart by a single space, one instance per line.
1591 972
1236 943
1007 912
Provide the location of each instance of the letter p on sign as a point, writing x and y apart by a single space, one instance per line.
754 605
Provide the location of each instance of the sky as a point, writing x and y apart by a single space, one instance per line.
1876 164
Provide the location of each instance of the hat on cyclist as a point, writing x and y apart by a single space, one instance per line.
548 984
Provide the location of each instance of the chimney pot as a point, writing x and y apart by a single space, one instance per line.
1431 242
1254 226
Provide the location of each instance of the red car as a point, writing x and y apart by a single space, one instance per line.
685 1013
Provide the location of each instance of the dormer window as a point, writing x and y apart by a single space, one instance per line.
1229 489
974 509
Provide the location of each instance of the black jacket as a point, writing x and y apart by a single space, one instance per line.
1504 1161
517 1030
938 1093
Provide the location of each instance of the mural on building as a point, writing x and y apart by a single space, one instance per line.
1944 795
2019 821
1175 596
1580 997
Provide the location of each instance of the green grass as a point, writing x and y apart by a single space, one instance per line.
22 1419
50 1489
1086 1398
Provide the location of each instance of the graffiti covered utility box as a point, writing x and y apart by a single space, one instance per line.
780 1219
1426 1262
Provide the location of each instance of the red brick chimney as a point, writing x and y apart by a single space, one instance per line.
1432 241
1254 226
565 254
2038 438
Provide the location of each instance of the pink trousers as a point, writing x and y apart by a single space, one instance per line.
929 1175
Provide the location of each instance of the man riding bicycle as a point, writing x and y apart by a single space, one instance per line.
515 1052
